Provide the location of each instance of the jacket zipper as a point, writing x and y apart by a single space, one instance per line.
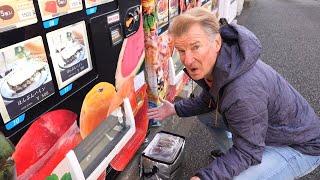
217 109
210 105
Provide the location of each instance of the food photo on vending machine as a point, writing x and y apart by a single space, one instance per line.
73 95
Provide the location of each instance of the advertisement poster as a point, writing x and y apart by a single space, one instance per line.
157 67
54 8
16 13
25 77
150 22
69 50
173 8
162 13
91 3
189 4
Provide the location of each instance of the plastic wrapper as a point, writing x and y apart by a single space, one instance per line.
164 147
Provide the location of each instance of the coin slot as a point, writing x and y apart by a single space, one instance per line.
130 20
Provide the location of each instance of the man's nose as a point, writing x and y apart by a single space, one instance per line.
188 60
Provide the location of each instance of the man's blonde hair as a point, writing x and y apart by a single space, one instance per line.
182 23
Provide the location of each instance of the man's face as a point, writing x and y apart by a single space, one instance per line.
198 52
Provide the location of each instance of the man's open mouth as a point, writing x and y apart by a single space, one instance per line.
193 69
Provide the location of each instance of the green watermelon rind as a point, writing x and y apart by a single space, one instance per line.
6 149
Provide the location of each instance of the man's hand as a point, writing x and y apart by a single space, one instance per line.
161 112
195 178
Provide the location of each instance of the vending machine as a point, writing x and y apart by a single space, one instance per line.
53 54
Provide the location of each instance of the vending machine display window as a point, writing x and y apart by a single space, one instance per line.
54 8
16 13
91 3
25 78
70 54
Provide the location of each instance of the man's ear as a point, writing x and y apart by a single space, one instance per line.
218 42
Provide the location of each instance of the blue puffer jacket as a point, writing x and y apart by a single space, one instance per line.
260 107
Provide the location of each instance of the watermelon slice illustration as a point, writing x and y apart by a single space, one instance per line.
131 56
45 144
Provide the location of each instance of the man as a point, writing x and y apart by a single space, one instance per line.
276 133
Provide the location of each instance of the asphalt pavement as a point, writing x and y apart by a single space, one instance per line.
289 31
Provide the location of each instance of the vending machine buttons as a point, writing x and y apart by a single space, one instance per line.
116 34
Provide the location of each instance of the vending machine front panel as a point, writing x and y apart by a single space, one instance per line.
80 45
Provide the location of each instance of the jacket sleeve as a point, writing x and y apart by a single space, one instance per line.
248 121
194 106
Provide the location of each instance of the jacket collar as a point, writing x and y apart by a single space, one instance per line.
204 86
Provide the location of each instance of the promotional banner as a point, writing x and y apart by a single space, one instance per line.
16 13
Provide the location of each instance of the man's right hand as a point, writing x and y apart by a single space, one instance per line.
161 112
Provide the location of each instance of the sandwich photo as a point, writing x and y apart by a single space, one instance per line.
24 75
23 68
69 47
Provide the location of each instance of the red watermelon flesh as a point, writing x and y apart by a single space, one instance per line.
64 146
39 139
133 51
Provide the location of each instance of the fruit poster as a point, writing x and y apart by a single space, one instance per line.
91 3
156 48
173 8
157 67
16 13
162 13
150 22
25 78
54 8
189 4
69 50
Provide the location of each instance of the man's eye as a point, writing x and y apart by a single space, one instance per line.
181 51
195 47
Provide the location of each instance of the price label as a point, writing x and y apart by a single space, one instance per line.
27 14
75 4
